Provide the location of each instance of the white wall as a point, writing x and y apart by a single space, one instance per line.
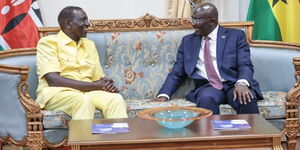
229 10
104 9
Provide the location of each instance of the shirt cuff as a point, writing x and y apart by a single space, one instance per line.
164 95
244 81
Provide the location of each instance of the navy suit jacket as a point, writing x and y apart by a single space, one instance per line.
233 59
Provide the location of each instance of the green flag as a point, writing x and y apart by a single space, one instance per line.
276 20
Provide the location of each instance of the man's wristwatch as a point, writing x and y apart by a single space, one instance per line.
241 83
166 99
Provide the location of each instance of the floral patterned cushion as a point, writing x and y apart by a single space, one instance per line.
59 119
55 119
273 105
145 104
139 62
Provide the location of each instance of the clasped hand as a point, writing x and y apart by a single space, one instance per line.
107 85
243 94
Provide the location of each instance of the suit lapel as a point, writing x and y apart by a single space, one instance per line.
221 42
196 43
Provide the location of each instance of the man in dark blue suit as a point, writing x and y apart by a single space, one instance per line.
218 60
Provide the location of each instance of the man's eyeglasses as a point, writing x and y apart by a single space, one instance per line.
196 21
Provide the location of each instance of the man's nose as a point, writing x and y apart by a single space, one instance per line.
195 25
88 23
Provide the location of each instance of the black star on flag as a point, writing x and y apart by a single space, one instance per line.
275 2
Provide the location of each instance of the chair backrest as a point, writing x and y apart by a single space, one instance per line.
12 114
28 60
138 61
274 68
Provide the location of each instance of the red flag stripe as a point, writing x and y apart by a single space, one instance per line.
23 35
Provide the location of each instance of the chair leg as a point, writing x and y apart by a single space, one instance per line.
35 141
291 131
291 144
35 147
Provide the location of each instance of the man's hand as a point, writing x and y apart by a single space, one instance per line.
243 94
159 99
106 84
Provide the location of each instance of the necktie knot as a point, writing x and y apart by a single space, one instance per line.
206 38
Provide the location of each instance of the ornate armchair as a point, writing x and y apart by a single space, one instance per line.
21 119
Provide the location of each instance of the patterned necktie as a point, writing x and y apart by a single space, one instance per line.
212 75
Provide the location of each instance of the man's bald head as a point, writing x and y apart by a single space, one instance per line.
207 8
205 18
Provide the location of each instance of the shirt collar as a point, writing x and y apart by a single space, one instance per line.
214 33
65 39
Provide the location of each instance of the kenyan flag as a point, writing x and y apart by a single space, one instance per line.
19 21
277 20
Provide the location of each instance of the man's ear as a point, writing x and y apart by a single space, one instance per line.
213 21
67 23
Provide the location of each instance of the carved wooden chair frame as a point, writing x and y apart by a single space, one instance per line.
292 126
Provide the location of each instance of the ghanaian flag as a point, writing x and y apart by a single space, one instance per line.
277 20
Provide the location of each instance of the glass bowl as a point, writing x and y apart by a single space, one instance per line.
174 117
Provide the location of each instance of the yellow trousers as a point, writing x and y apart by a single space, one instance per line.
82 105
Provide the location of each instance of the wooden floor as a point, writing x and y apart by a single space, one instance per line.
12 147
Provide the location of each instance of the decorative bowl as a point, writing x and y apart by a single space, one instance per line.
174 117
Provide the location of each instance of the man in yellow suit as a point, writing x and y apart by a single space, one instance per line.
70 75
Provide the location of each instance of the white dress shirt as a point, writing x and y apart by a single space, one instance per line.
213 52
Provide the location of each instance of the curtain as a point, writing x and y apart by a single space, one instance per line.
231 10
180 8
